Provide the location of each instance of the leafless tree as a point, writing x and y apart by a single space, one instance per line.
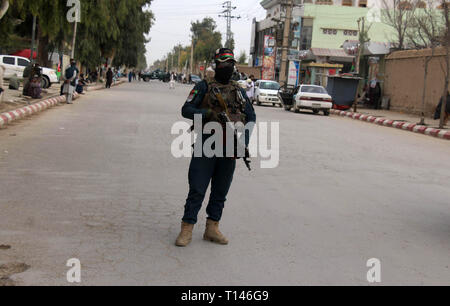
399 14
425 32
4 8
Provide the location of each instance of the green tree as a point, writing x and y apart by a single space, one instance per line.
51 22
131 41
242 59
108 28
206 39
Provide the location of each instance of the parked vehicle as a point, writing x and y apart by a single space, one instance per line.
195 79
15 65
154 75
267 92
312 97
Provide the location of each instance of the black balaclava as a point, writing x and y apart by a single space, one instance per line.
224 72
224 59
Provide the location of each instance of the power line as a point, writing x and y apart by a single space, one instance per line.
228 15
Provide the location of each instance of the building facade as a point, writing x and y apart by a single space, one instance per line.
320 31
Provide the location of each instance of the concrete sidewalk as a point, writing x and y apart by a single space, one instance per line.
407 122
28 109
14 99
399 116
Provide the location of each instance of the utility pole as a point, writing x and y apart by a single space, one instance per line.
361 43
33 38
74 38
228 15
179 58
358 58
192 56
284 54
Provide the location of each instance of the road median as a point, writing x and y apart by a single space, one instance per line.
406 126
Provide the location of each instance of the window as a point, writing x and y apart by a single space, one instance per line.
330 31
314 89
269 85
9 60
325 2
347 2
22 62
350 33
362 3
306 36
405 5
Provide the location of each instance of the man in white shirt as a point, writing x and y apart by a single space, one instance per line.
250 89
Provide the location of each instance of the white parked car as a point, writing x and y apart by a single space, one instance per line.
15 65
315 98
267 92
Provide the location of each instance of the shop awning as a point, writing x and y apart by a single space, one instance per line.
329 52
337 55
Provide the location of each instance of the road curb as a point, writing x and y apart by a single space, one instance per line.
26 111
416 128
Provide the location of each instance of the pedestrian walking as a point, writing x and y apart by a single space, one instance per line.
250 89
130 76
70 82
172 81
211 100
109 78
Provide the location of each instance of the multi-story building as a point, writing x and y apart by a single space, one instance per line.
320 30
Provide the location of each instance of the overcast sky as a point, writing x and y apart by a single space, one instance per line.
174 17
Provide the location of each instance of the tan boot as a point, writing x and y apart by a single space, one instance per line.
213 234
185 236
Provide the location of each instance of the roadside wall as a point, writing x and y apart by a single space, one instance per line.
256 71
404 80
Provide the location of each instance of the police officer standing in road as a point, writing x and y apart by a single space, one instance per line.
210 99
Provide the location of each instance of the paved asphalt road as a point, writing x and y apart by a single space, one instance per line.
96 181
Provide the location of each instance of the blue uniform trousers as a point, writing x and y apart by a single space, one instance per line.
203 170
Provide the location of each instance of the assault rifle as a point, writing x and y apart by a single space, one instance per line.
224 119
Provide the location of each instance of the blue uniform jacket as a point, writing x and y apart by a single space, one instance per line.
193 105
